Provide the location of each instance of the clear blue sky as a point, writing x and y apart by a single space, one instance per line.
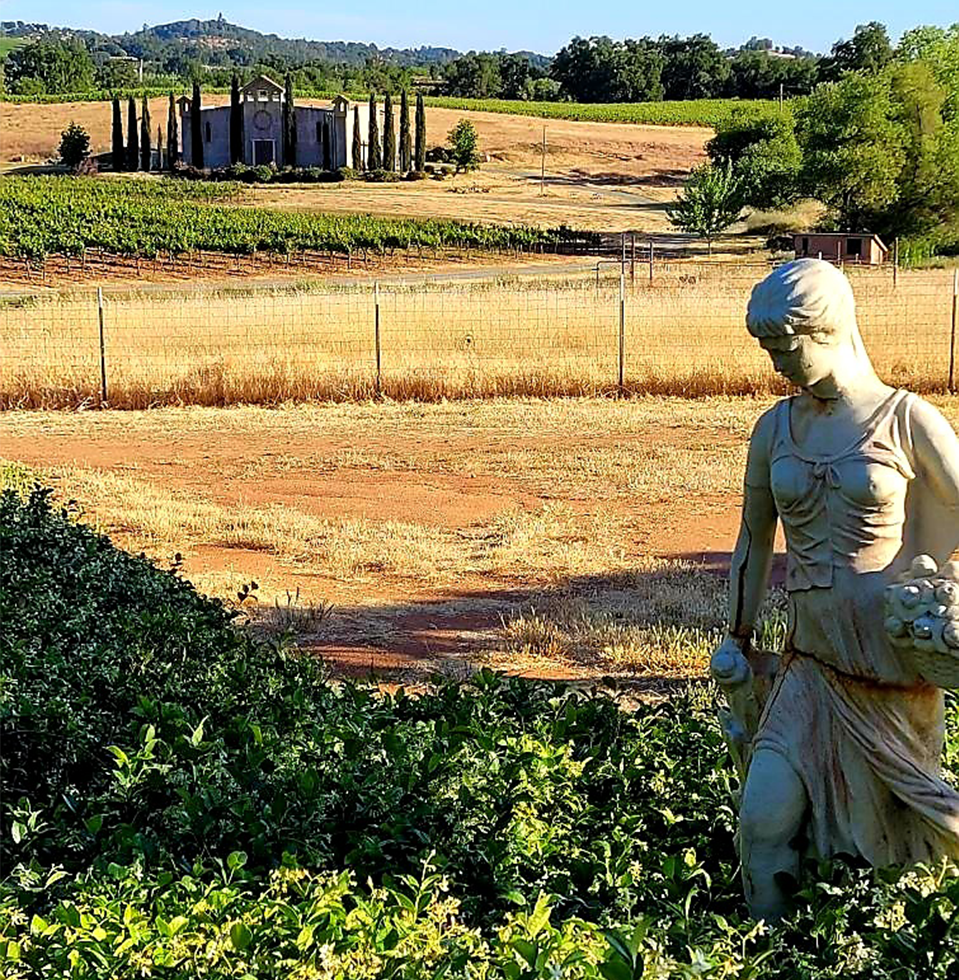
492 24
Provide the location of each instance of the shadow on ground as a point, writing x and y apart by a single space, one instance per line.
459 631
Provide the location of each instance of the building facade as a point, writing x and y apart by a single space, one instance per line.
324 133
840 247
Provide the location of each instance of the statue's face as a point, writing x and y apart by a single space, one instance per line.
800 360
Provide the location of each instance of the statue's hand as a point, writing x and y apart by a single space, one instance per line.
729 665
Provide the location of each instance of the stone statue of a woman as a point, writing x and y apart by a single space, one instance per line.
845 757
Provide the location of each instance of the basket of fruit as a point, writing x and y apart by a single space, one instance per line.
922 619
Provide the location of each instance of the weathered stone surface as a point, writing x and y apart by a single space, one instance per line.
841 753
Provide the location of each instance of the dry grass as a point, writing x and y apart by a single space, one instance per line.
604 176
561 551
684 335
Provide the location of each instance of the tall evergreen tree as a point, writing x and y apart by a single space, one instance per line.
374 155
420 157
146 138
389 135
119 150
289 124
196 128
236 122
327 146
172 136
406 147
357 149
133 140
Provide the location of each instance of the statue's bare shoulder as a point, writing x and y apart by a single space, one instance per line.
761 447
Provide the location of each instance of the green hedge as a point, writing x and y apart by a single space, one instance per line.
181 801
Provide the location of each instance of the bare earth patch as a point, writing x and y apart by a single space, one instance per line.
567 538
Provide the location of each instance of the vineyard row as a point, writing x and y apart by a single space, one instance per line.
42 216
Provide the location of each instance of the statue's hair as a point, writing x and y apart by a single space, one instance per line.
808 297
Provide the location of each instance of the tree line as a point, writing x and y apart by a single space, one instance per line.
879 148
595 69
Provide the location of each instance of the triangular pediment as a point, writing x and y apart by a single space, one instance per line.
261 82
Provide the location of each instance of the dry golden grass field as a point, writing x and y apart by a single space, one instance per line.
604 176
683 335
567 538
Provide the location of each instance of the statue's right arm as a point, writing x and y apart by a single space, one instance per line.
752 558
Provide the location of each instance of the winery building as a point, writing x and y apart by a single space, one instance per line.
324 133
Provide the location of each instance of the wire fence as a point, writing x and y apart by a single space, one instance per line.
680 331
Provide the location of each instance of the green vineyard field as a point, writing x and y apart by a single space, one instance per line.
42 216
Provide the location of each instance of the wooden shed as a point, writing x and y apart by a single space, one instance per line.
841 246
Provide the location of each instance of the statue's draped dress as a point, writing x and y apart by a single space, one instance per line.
861 728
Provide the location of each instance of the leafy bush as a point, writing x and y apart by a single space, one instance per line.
464 141
382 176
74 145
439 154
181 800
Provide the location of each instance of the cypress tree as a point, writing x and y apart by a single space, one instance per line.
119 150
133 142
327 146
289 125
236 122
389 135
146 147
196 129
420 161
406 149
172 136
374 155
357 149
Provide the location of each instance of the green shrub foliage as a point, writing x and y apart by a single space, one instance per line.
74 145
181 801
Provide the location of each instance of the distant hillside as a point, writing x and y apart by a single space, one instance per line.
218 42
221 35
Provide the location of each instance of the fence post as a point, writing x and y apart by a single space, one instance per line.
952 338
103 361
895 263
632 256
622 330
650 261
376 328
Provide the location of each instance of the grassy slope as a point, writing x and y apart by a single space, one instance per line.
7 44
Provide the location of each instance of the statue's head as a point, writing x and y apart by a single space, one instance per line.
804 316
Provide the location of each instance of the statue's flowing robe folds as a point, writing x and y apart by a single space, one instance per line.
847 710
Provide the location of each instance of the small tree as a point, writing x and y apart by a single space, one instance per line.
708 204
74 145
146 137
196 128
236 122
172 136
374 156
389 135
357 148
289 124
463 139
119 150
133 141
406 145
419 162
